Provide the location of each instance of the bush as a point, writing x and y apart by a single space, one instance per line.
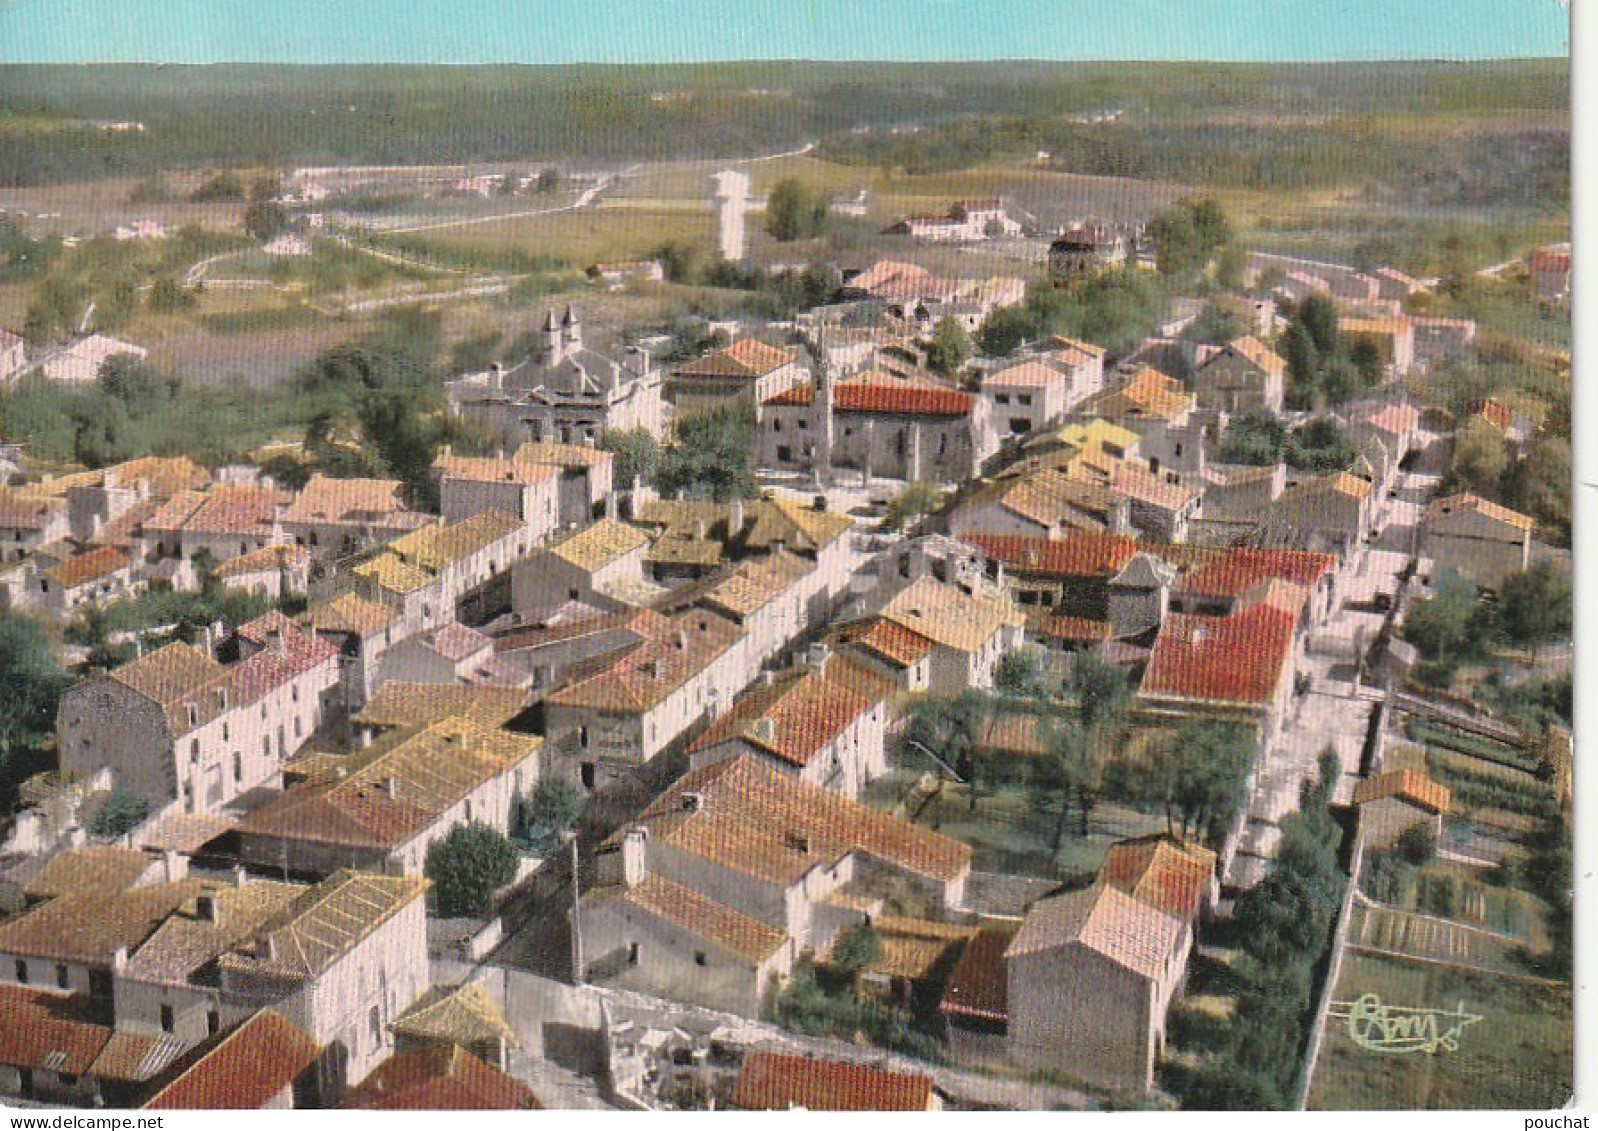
554 809
119 814
1418 844
467 867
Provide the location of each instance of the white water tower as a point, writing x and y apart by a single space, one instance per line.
732 202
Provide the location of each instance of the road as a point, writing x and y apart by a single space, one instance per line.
582 201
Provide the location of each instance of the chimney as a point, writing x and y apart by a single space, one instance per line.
265 950
173 866
390 787
240 876
634 864
700 529
767 678
366 737
205 906
735 518
119 959
76 837
766 731
496 376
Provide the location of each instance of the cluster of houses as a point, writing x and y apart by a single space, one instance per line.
259 938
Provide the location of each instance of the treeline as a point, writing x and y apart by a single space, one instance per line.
1284 926
278 115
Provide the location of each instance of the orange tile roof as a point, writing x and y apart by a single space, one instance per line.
28 512
1148 393
1106 920
1475 504
1163 872
979 987
1396 419
88 926
480 470
165 475
758 820
352 614
268 558
328 500
755 583
439 1079
673 652
1406 785
1232 660
949 616
1048 497
693 912
1258 354
802 713
227 509
44 1031
400 704
746 358
770 1081
1026 375
260 1058
173 677
91 868
88 567
563 455
1057 627
891 641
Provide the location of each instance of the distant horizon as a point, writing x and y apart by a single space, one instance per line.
806 61
694 32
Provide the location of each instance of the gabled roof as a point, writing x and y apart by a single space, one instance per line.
328 500
89 926
434 547
1050 498
474 469
51 1032
1406 785
401 704
22 511
563 455
888 640
746 358
704 918
321 926
979 988
91 868
792 719
462 1015
674 650
385 796
1257 354
1161 871
173 677
260 1058
755 583
1131 934
948 616
1025 375
1340 483
265 559
597 545
89 567
227 509
1475 504
876 391
771 1081
165 475
352 614
189 939
1235 660
1148 394
439 1079
752 818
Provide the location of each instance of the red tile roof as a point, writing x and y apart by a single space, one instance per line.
714 922
1549 262
1236 659
1162 872
25 512
1475 504
1057 627
879 392
41 1030
440 1079
260 1058
804 712
770 1081
900 646
1080 554
979 988
674 651
92 566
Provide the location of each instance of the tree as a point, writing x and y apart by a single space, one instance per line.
855 948
224 187
467 866
1005 330
1255 437
1187 236
33 683
679 260
552 811
1200 778
119 814
264 220
1019 674
549 179
1080 748
1446 625
950 347
637 455
1481 457
168 296
1535 604
794 211
55 309
1218 323
951 728
1417 844
134 381
1539 485
1303 366
1318 446
712 454
1318 315
101 430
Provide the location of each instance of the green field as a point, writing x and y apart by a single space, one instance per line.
1519 1055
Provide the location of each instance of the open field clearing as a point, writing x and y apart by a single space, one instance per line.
1517 1055
579 238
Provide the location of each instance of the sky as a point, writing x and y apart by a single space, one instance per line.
672 31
